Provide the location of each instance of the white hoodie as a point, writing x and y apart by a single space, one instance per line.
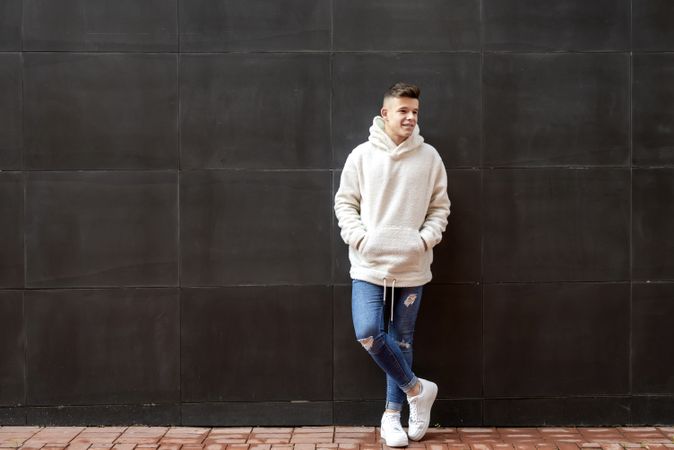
392 208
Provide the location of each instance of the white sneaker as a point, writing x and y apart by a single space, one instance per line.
420 409
392 432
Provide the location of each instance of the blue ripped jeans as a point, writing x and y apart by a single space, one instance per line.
391 349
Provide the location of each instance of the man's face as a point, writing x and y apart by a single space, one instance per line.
400 117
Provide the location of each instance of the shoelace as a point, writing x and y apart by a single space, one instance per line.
413 410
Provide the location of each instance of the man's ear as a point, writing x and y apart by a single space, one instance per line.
384 113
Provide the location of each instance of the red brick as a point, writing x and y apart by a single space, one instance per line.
308 438
123 446
20 429
97 439
611 446
442 430
226 439
237 447
314 430
354 429
566 445
522 439
180 441
644 434
54 436
442 439
142 435
305 447
355 434
169 446
17 434
503 446
264 435
605 438
188 447
370 447
230 430
596 429
78 445
146 431
354 441
215 447
258 447
265 439
188 430
12 442
521 446
430 446
561 436
480 446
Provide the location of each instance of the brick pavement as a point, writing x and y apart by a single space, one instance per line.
329 438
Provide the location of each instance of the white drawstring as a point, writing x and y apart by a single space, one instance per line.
393 287
384 291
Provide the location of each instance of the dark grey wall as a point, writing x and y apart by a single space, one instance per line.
168 247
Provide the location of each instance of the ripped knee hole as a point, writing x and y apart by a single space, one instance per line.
367 342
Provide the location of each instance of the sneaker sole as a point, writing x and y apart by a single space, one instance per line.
404 443
425 429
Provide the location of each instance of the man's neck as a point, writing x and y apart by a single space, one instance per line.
397 140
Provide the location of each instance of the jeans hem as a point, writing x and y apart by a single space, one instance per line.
408 387
394 406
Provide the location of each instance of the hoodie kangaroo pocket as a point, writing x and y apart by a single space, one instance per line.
393 249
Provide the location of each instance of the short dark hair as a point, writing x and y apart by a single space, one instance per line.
403 90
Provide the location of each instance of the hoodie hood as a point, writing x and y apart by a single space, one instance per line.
379 139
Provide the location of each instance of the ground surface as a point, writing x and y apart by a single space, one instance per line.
325 438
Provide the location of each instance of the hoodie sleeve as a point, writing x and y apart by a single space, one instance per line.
438 209
347 204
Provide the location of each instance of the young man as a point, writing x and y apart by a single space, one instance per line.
392 208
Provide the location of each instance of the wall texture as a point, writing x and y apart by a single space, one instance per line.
168 248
